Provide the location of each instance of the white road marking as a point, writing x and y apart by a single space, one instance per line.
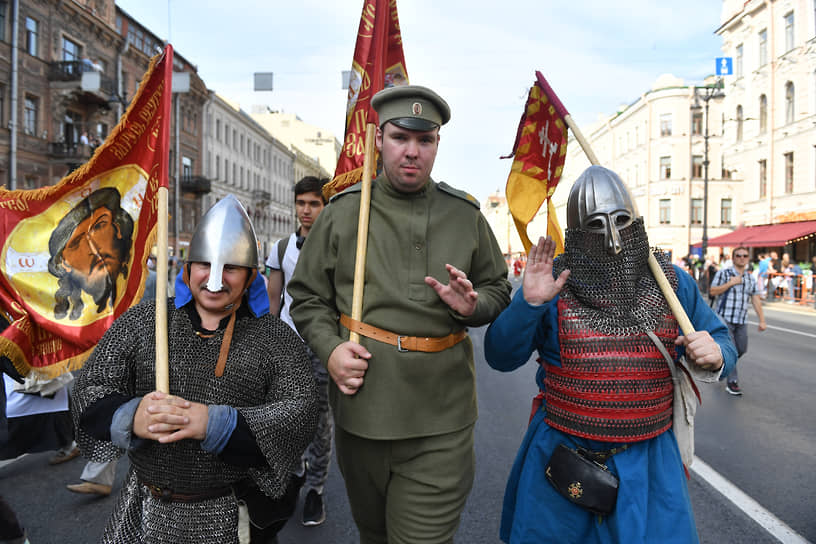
10 461
784 329
775 526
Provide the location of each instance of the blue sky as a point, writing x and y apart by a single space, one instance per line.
596 54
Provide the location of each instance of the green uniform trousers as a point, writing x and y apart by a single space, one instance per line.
409 491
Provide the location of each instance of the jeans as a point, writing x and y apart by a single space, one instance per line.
739 334
318 454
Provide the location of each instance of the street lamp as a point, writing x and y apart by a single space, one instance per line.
706 93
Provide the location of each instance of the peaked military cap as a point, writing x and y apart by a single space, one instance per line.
411 107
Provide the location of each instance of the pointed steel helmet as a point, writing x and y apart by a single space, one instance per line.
224 236
599 202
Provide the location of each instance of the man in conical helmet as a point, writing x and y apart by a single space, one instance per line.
606 339
219 449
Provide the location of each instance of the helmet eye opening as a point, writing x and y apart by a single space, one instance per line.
623 219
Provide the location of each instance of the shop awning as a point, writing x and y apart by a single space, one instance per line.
778 235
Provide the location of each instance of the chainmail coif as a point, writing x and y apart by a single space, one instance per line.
617 293
268 378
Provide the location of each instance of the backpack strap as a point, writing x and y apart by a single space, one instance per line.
282 245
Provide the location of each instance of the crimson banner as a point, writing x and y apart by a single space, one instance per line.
378 63
73 256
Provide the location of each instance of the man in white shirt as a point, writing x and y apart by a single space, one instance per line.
280 265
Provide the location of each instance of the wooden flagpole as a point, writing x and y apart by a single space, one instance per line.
654 266
362 230
162 365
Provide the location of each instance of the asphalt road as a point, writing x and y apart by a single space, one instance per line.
763 442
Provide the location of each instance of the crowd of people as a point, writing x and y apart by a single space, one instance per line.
270 370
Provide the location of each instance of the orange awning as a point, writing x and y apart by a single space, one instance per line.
778 235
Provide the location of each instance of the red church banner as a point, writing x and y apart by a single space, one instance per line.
73 256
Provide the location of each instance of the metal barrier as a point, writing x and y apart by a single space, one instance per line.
795 288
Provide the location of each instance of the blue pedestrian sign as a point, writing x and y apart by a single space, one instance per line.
725 66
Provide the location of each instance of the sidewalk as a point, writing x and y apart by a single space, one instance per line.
782 306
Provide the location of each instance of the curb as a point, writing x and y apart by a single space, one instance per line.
782 306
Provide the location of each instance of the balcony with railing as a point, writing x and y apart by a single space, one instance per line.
71 72
196 184
63 151
261 197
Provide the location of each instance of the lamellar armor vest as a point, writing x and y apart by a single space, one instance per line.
613 384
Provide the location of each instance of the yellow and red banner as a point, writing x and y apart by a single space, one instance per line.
378 63
73 256
539 154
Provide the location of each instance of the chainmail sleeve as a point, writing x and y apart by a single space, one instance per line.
108 371
286 423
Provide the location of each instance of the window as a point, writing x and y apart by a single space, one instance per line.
218 129
789 173
789 31
31 36
70 50
665 124
763 178
738 61
739 123
30 115
725 211
696 211
186 167
725 173
226 134
217 167
135 36
226 170
665 167
697 123
763 47
763 114
2 105
234 139
789 102
3 12
665 211
697 166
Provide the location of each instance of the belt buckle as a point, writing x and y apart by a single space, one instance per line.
399 344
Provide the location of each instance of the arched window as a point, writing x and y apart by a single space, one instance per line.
739 123
763 114
789 102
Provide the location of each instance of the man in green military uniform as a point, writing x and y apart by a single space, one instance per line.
404 398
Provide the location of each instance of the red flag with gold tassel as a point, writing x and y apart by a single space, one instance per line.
73 256
539 154
378 63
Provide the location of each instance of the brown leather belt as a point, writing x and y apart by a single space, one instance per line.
169 495
403 343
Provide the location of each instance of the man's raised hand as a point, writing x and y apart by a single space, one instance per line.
538 283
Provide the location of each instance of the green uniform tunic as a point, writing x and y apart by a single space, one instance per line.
411 235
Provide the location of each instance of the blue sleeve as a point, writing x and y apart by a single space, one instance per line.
704 318
517 332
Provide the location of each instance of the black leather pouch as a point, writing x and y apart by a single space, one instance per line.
265 511
583 481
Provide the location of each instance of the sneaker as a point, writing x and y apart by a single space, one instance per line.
734 389
313 511
64 455
90 488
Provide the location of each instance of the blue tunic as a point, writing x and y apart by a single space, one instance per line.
653 502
